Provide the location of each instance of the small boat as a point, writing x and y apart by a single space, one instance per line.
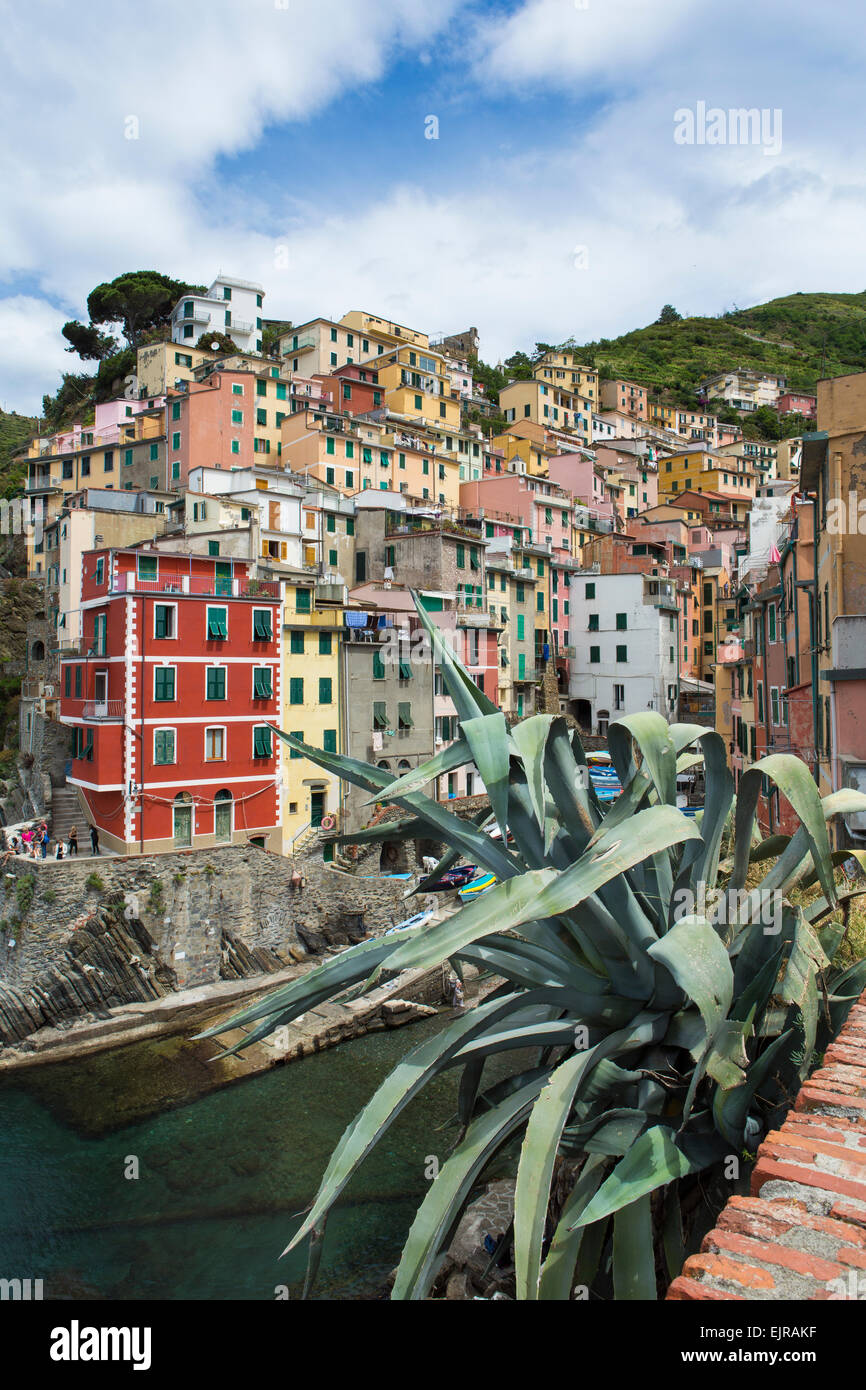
477 886
457 877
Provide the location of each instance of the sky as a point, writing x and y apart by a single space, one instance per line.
522 166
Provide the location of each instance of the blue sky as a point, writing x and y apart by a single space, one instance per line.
286 143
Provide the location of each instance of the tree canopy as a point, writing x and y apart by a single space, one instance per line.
138 300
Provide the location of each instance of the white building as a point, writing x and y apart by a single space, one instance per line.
460 374
623 628
232 307
744 390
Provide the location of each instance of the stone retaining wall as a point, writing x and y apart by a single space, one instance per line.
184 901
802 1233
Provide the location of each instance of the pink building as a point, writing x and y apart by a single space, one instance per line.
537 504
797 403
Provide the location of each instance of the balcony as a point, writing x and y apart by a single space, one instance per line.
242 587
476 617
530 673
102 709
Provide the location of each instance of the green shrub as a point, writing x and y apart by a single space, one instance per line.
25 887
94 881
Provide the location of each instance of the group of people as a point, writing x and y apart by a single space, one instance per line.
34 842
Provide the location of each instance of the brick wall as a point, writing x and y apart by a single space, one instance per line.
802 1232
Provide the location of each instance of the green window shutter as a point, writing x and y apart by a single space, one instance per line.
217 623
261 743
324 644
297 643
378 667
213 547
332 559
261 388
474 561
302 600
67 680
368 455
404 715
262 625
380 717
590 591
521 633
350 449
154 452
163 748
237 417
78 682
296 733
521 594
593 622
325 694
595 654
216 683
329 740
405 671
622 653
621 622
261 417
262 683
539 601
461 557
331 522
296 690
162 620
329 476
329 446
164 683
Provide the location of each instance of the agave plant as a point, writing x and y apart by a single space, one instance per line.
660 1041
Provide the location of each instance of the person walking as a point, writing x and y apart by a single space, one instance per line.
73 840
94 840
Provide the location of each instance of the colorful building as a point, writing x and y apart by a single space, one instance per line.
171 699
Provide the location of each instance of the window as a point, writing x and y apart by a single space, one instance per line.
262 686
163 745
593 622
302 600
405 669
329 740
262 741
619 697
100 569
621 622
213 547
622 653
100 633
324 644
296 690
215 688
217 623
590 591
237 417
262 623
325 693
147 567
539 601
378 667
297 643
164 620
214 745
404 715
164 683
774 704
594 654
521 622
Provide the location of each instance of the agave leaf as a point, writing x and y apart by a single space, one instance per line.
634 1274
490 744
653 736
695 957
731 1104
441 1208
529 738
653 1161
557 1274
792 777
456 755
468 698
545 892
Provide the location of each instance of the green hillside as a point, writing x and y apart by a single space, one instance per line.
15 430
810 335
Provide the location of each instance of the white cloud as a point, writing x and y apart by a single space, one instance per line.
494 246
31 351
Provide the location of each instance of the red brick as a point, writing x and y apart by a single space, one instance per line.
734 1271
810 1097
853 1215
683 1288
770 1170
853 1257
779 1140
762 1252
766 1220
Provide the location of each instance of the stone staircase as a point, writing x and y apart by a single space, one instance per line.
66 811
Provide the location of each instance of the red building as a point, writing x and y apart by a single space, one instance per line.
172 698
797 403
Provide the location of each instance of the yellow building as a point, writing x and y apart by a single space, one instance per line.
162 367
417 386
312 706
374 327
549 403
356 454
702 471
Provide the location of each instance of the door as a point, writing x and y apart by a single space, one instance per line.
223 576
317 807
182 826
223 816
100 693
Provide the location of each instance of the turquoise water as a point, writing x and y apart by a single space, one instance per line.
222 1180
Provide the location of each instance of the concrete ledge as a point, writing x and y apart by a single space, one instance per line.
802 1232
